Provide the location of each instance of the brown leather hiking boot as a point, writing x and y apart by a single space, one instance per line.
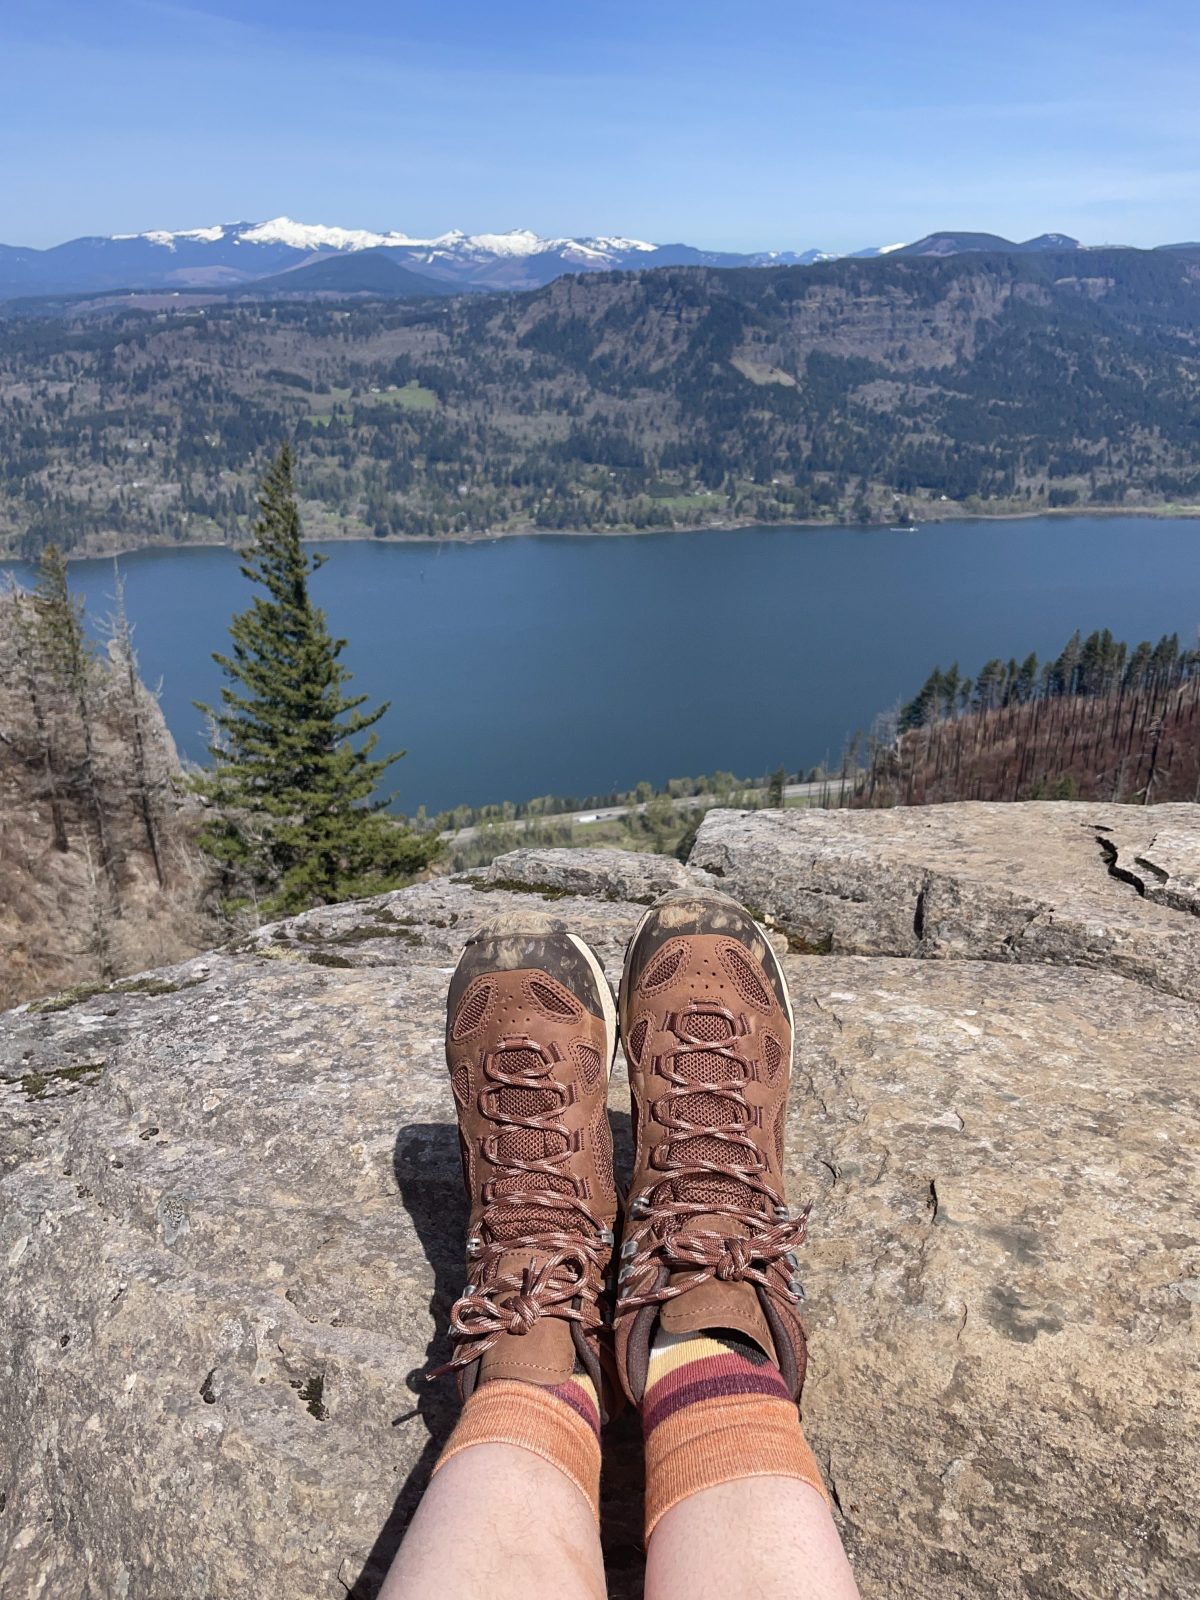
708 1240
530 1036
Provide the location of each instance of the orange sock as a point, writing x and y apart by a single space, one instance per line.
560 1423
716 1409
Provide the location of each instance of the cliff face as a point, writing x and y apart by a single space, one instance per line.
232 1219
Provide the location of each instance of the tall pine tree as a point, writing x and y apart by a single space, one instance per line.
293 786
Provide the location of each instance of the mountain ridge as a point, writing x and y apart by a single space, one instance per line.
854 391
225 255
363 272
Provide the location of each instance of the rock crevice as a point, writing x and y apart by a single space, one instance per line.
1031 882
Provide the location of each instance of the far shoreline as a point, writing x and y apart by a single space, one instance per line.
1167 513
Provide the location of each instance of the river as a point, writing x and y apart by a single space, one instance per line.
569 665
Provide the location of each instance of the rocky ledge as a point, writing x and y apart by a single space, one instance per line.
231 1219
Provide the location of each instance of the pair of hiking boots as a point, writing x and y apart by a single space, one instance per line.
707 1240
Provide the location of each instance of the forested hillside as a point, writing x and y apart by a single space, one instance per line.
1099 722
852 390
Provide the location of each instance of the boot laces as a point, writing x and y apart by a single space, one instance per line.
567 1247
735 1175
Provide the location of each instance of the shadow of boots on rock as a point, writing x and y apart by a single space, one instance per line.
428 1174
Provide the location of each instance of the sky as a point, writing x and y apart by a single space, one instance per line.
765 124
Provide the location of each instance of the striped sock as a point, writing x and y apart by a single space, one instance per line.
559 1423
715 1409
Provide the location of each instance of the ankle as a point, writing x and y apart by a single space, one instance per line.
716 1409
559 1424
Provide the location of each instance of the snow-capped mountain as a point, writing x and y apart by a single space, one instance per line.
226 255
311 238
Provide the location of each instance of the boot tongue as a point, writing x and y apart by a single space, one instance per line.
714 1304
545 1353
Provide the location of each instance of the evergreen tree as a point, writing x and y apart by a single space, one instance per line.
293 783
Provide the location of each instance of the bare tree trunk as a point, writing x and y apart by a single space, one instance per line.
92 785
24 642
1158 732
122 636
98 942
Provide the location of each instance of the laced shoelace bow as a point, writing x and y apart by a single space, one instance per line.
767 1232
565 1279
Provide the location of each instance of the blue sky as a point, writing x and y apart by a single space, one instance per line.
763 123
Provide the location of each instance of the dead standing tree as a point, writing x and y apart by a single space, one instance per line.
64 648
148 786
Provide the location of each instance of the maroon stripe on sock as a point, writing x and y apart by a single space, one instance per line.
703 1370
579 1401
748 1380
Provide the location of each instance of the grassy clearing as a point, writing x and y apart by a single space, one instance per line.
692 502
412 397
323 405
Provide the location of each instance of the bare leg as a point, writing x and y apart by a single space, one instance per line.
497 1519
752 1539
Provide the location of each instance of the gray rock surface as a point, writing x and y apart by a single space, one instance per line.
1107 886
230 1215
606 874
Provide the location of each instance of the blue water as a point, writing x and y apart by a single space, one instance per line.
574 665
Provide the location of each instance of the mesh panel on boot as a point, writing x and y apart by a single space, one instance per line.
662 969
706 1110
471 1012
701 1147
704 1066
708 1027
636 1040
587 1059
772 1053
516 1101
747 982
521 1063
602 1148
528 1144
558 1002
512 1223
